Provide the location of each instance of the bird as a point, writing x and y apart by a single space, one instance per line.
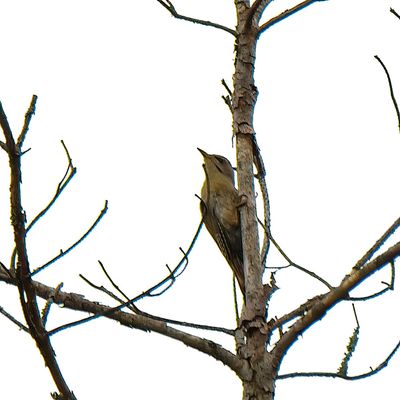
220 202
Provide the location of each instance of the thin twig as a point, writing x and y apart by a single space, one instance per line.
170 7
394 13
83 237
389 286
286 14
330 299
345 377
367 256
299 267
146 293
13 320
351 347
28 116
49 302
261 173
392 95
298 312
69 174
235 299
27 294
136 310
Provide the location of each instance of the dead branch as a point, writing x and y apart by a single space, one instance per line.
299 267
286 14
24 282
135 309
351 347
28 116
256 11
169 279
170 7
394 13
334 296
261 172
79 241
338 375
392 95
78 302
378 244
389 286
49 302
14 320
69 174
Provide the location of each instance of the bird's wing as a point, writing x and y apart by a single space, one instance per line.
229 242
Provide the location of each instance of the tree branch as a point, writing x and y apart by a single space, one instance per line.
78 302
338 375
24 282
392 95
14 320
170 7
299 267
145 314
286 14
328 300
256 11
394 13
70 248
66 179
28 116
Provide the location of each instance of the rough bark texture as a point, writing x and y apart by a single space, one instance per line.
261 384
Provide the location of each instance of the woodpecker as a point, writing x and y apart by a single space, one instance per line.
219 208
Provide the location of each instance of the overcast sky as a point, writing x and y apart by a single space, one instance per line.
133 93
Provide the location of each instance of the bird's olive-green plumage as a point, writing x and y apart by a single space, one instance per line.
219 207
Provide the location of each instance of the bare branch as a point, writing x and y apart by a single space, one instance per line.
392 95
69 174
278 323
28 116
350 347
334 296
146 293
227 99
394 13
367 256
345 377
299 267
170 7
83 237
286 14
80 303
23 279
13 320
49 302
135 309
261 172
389 286
256 11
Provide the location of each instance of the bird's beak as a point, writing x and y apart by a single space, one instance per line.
203 153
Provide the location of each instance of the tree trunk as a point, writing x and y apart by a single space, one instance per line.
261 386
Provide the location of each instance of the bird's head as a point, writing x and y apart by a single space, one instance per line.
216 164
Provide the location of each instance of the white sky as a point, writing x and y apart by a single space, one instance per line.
133 92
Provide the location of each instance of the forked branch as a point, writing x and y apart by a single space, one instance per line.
23 279
334 296
373 371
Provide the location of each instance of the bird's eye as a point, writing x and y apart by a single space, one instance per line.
222 160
